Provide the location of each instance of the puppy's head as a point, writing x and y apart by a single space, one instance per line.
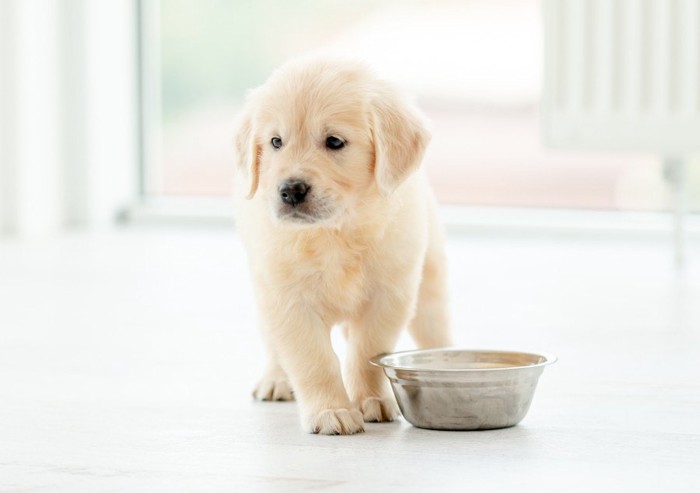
321 138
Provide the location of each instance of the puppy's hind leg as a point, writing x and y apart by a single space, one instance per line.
430 327
274 384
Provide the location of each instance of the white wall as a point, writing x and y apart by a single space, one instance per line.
68 114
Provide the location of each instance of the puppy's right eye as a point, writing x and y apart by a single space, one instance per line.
334 143
276 142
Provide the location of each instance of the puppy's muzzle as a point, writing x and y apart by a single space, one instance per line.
293 192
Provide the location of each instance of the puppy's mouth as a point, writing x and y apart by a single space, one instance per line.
311 211
299 217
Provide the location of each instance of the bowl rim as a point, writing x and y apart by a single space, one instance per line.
377 360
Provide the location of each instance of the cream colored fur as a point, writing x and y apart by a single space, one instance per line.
364 251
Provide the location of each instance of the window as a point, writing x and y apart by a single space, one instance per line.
475 68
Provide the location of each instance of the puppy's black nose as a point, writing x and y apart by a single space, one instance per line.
293 192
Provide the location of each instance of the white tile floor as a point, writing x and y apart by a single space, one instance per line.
127 358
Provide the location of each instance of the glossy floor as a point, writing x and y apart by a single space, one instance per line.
127 360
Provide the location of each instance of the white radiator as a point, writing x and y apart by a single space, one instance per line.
622 74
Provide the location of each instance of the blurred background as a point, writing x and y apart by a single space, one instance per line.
125 109
475 67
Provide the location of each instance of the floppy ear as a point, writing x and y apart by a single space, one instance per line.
248 154
400 138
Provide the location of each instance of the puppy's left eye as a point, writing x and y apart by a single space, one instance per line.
334 143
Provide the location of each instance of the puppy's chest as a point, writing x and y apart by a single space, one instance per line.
332 272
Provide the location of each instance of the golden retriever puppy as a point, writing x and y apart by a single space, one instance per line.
340 228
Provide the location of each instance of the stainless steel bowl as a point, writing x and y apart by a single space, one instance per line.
452 389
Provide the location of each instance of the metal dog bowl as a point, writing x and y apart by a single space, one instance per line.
452 389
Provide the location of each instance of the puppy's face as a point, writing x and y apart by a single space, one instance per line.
316 150
320 139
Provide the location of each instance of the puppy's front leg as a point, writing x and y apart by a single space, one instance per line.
302 342
375 332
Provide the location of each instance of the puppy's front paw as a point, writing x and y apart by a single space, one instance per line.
379 409
273 389
335 422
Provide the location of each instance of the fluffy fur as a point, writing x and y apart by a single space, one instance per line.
364 250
